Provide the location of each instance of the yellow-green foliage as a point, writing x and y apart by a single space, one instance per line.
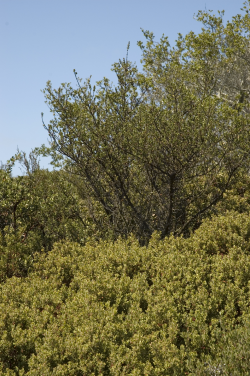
36 211
121 309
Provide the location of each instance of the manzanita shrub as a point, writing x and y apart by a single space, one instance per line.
176 307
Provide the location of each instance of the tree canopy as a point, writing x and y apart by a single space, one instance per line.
158 150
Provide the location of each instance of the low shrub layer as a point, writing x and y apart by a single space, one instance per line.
176 307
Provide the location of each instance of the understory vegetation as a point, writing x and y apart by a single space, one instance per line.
132 257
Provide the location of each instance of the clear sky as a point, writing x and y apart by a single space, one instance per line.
45 40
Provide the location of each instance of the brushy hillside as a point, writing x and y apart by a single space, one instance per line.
177 307
133 258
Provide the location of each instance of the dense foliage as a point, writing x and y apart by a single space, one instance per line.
158 150
133 258
121 309
36 210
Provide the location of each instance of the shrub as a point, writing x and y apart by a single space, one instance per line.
121 309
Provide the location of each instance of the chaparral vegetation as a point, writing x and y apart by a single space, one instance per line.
132 257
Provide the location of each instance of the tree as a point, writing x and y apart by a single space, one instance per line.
159 150
233 80
220 56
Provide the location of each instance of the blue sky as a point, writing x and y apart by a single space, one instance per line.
45 40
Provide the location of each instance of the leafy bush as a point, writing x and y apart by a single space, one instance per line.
160 149
36 211
166 150
121 309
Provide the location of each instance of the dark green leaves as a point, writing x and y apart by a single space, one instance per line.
159 150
